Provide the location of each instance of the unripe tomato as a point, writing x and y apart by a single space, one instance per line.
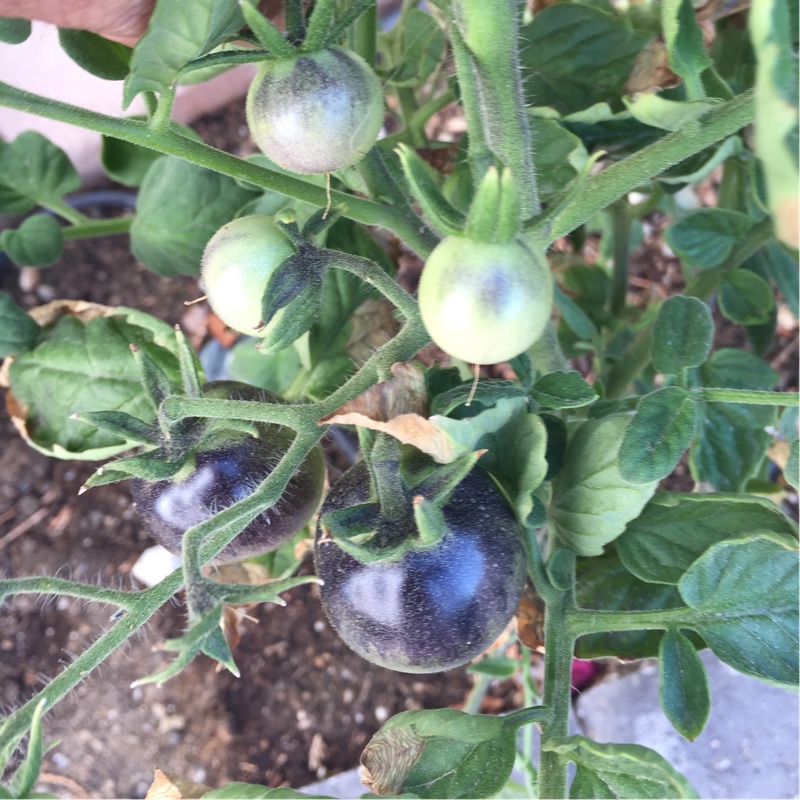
237 263
316 112
225 471
483 302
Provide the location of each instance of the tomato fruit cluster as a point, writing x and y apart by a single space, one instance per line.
228 469
436 607
237 264
485 302
315 112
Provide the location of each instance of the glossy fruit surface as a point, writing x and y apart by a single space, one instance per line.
228 470
237 263
316 112
432 609
483 302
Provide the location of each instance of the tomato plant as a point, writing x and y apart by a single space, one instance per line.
601 223
434 607
227 466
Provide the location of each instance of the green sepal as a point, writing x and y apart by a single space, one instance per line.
191 376
103 477
430 521
494 213
152 466
121 424
295 288
216 646
25 777
270 38
323 219
242 594
437 482
436 208
155 382
344 523
319 24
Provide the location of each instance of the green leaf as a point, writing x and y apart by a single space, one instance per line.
685 46
97 55
574 56
776 123
705 238
38 242
18 330
669 115
782 267
676 528
560 155
683 685
745 298
487 393
658 435
180 207
178 33
516 444
128 163
747 594
563 390
620 771
702 166
791 472
732 439
604 584
274 372
592 502
421 48
682 334
494 666
36 169
14 30
440 753
87 366
250 791
573 316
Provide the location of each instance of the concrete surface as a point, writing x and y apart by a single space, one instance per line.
749 748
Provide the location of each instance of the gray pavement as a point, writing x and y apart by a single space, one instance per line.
749 748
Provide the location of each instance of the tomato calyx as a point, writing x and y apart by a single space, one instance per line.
404 511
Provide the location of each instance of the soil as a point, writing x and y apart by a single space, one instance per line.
304 706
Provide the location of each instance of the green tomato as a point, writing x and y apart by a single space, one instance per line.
316 112
483 302
237 263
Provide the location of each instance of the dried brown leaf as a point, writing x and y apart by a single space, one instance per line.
166 786
650 71
372 325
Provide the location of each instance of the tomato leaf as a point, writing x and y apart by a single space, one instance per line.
440 753
781 266
592 503
98 56
14 30
251 791
682 334
560 155
87 366
658 435
36 170
487 393
18 330
563 390
420 50
574 56
178 33
683 685
37 242
706 237
676 528
732 439
684 39
179 208
745 298
620 771
670 115
746 593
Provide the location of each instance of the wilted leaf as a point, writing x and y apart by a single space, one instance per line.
168 786
650 71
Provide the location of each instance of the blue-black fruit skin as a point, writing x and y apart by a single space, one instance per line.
435 609
230 473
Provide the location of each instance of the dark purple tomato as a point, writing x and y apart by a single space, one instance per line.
432 609
228 469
